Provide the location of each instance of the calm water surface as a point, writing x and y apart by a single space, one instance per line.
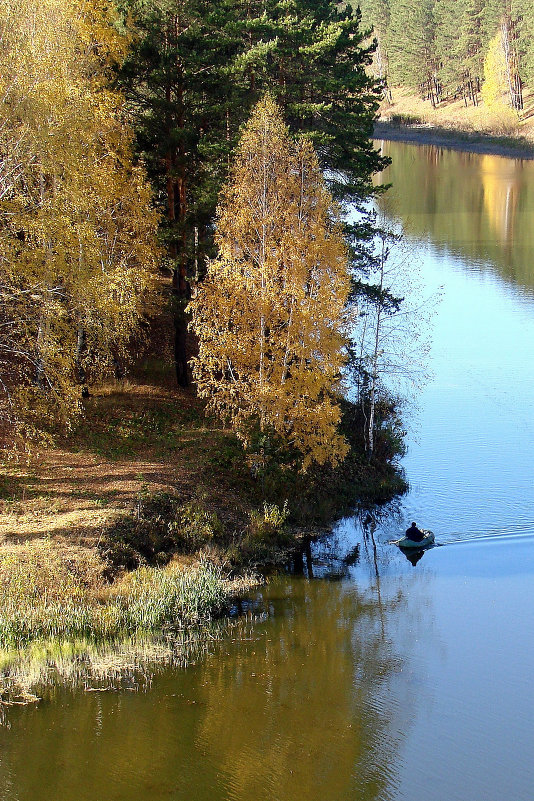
375 679
471 221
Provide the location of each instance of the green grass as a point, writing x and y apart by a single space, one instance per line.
157 598
163 428
43 598
405 119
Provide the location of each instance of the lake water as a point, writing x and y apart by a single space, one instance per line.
375 679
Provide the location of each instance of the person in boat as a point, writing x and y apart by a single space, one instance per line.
415 534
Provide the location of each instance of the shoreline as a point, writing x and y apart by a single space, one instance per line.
463 141
147 519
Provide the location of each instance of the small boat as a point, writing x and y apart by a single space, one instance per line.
427 540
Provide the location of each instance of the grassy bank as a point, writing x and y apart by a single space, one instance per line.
43 596
148 473
452 124
150 518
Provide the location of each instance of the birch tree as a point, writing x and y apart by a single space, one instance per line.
390 341
270 315
76 226
501 90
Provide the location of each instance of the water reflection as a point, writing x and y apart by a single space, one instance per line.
501 191
479 208
313 694
305 705
357 542
468 220
412 555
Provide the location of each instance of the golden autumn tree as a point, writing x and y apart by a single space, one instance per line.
77 231
496 86
270 316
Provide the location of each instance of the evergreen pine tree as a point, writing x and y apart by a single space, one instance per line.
195 70
176 79
523 14
492 13
411 50
450 65
311 55
375 18
471 40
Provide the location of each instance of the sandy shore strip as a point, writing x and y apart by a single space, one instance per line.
425 134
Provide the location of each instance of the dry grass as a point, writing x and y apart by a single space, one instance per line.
457 117
47 594
135 437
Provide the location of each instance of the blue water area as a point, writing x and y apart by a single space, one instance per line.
470 461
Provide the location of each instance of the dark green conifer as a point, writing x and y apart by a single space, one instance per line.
522 13
197 68
375 17
472 40
446 14
411 50
179 90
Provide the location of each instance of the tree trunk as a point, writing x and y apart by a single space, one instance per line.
40 365
180 344
515 88
81 346
176 201
376 354
181 286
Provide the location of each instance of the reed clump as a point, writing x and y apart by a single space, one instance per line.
44 596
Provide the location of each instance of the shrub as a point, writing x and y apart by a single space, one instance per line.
266 542
160 525
269 522
200 526
405 119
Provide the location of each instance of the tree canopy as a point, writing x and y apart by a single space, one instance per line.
77 230
441 47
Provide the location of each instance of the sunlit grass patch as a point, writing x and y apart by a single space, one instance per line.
137 418
43 597
153 598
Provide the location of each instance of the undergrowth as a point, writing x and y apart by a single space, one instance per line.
42 596
162 525
325 493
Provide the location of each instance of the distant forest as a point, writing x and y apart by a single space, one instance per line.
448 49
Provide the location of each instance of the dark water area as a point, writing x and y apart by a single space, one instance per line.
367 678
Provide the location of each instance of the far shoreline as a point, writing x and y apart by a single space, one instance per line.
463 141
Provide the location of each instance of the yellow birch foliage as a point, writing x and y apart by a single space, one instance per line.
495 86
270 315
77 231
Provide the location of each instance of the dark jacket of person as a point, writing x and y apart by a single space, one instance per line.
415 534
